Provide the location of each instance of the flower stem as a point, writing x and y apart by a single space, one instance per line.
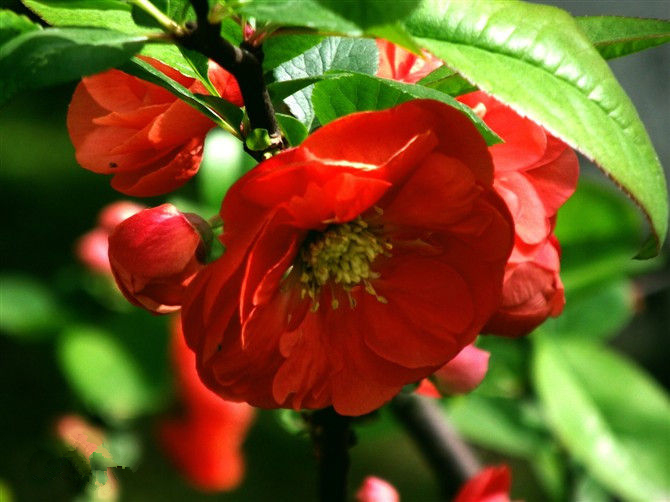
332 437
438 441
244 63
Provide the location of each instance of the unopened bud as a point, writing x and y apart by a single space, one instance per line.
155 254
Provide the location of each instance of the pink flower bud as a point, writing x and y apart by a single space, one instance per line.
116 212
376 489
460 375
155 254
92 247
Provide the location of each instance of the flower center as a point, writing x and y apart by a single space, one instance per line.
342 254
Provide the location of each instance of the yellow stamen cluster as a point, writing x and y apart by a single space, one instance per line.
342 254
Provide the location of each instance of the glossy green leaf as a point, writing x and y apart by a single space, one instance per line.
224 161
279 49
611 416
53 56
354 92
354 19
616 36
293 130
332 53
446 80
12 25
28 308
215 108
536 59
112 14
103 374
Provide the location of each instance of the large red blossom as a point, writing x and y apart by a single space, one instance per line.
361 261
150 141
205 441
535 173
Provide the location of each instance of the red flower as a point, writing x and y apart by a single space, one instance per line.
535 174
492 484
398 64
155 254
361 261
461 375
376 489
150 141
92 247
205 442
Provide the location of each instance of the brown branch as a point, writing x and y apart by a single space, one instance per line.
245 63
438 441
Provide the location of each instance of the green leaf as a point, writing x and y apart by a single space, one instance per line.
598 312
12 25
292 129
103 374
536 59
354 19
615 36
332 53
599 231
53 56
111 14
611 416
446 80
217 109
354 92
279 49
28 308
510 426
224 161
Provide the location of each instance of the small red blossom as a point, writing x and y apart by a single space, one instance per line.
395 63
155 254
535 174
150 141
92 247
461 375
204 442
375 489
356 263
492 484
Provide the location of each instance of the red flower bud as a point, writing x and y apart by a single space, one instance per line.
376 489
492 484
92 247
150 141
460 375
155 254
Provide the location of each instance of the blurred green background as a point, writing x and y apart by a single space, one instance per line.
58 323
